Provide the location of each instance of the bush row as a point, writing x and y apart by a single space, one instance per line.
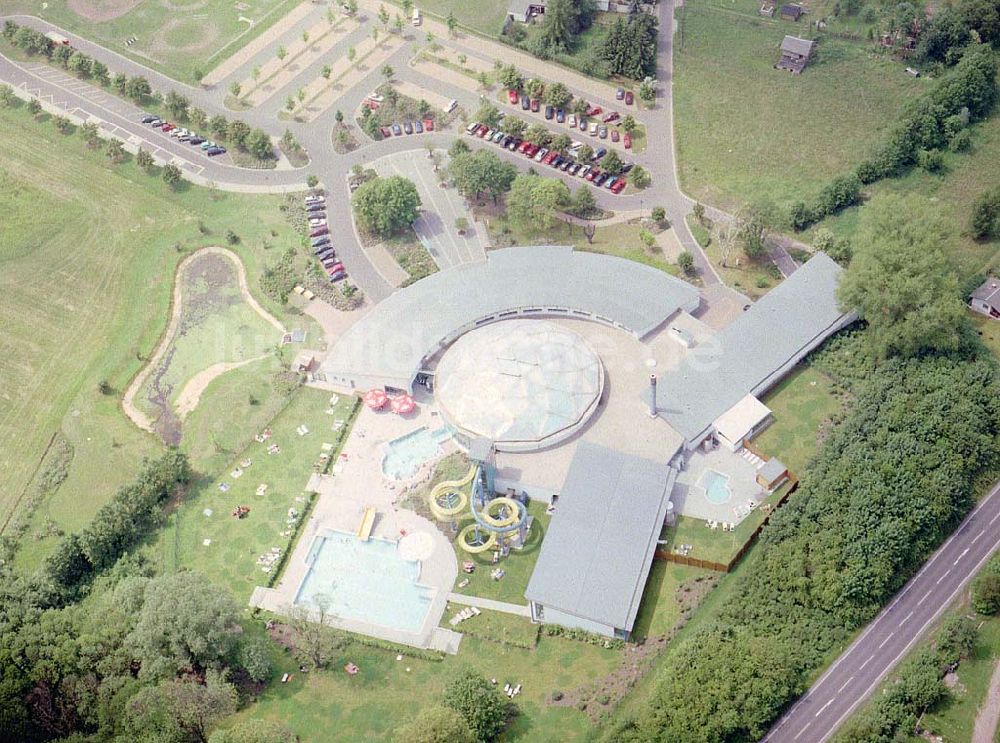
579 635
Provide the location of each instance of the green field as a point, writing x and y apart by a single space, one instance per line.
484 17
660 608
746 131
176 37
84 296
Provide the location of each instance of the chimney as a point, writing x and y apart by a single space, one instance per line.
652 395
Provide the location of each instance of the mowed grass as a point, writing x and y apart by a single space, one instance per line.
485 17
660 609
87 258
230 559
174 37
332 707
746 131
803 404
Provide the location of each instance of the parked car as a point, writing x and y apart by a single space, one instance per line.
525 102
531 151
619 186
326 251
481 131
213 151
512 97
397 129
196 140
615 136
148 119
418 127
178 132
540 154
316 207
208 144
610 182
337 267
385 131
429 125
156 122
168 127
595 111
583 124
601 152
592 174
550 111
600 178
408 127
315 198
549 158
523 147
317 231
571 121
629 98
602 132
317 222
321 241
472 127
584 171
627 141
535 105
613 116
620 94
560 116
514 143
593 129
566 165
627 167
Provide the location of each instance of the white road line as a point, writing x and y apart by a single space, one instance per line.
977 536
870 659
797 735
905 619
887 638
844 685
924 597
964 553
829 702
945 575
994 519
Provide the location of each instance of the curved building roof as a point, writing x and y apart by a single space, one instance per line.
523 384
390 344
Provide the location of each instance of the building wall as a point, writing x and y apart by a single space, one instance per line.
983 308
554 616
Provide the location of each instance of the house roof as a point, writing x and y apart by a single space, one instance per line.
597 551
754 351
740 420
518 8
772 469
390 344
989 292
792 10
795 45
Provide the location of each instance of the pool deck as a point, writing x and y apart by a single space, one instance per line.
690 500
357 482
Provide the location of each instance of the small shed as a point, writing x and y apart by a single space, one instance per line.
771 474
795 54
523 11
986 299
743 421
304 362
791 12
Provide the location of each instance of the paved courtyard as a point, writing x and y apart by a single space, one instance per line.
690 498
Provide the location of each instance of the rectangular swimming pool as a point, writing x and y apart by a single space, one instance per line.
405 455
364 581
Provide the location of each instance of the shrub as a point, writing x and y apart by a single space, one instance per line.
986 593
985 214
685 262
931 160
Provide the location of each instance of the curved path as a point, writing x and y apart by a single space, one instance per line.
138 417
816 716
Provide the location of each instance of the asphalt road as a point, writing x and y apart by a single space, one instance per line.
884 643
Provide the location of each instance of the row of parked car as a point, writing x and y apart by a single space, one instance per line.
585 122
409 127
568 163
209 147
319 236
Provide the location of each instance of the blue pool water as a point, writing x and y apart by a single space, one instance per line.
405 455
366 581
715 486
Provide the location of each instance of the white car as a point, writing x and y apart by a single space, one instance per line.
317 222
540 154
315 199
571 121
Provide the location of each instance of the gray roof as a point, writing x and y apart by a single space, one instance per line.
597 552
754 351
989 292
390 344
795 45
772 468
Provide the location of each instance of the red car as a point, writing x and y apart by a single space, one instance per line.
547 160
523 147
593 174
513 97
385 132
481 131
629 98
335 268
324 230
531 151
595 111
429 125
619 186
627 141
535 105
168 127
613 116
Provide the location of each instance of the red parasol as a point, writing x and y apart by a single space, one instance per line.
375 398
403 404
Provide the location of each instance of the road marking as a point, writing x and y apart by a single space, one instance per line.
802 730
887 638
870 658
844 685
977 536
994 519
829 702
945 575
964 553
924 597
906 618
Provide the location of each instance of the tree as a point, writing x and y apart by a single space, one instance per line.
237 132
385 205
513 126
985 219
685 262
510 78
236 89
558 28
118 82
452 22
99 70
351 54
558 95
478 702
62 124
255 73
312 181
62 55
178 104
397 24
640 177
535 201
315 642
254 731
458 147
481 172
561 143
259 145
181 708
986 592
408 7
375 34
305 37
326 72
535 87
115 150
282 53
256 660
383 16
754 222
218 125
185 622
34 107
290 103
538 135
629 47
900 282
647 92
138 89
585 154
584 203
658 214
387 72
489 115
80 65
198 117
144 159
580 107
6 95
484 80
435 725
612 163
352 7
91 134
628 124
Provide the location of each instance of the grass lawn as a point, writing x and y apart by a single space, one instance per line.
622 240
661 608
803 405
169 38
69 324
386 692
411 256
751 277
499 627
230 559
746 131
484 17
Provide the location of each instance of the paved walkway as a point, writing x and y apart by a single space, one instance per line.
989 713
483 603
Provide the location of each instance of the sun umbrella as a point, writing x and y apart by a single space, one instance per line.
375 398
403 404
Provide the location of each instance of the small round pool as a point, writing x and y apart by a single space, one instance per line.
716 486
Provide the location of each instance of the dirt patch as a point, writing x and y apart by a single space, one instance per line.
98 11
189 396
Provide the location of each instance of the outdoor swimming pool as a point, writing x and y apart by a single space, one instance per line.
404 456
364 581
716 486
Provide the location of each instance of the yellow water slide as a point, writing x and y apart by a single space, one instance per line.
447 499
